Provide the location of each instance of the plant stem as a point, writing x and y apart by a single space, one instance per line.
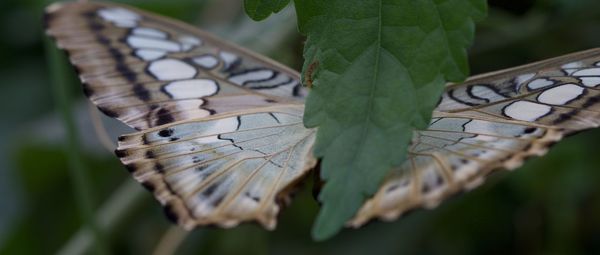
170 241
110 215
78 172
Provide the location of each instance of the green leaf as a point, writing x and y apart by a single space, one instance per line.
377 70
261 9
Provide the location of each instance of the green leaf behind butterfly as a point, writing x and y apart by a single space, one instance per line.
377 69
261 9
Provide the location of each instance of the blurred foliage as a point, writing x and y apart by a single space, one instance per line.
549 206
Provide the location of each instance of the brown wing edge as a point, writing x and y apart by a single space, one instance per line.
77 11
174 206
537 148
533 66
51 9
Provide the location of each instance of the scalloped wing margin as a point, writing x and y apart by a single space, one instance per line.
225 169
491 122
147 70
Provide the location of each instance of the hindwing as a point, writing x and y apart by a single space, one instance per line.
490 122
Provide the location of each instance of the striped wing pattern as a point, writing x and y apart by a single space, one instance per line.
494 121
224 169
147 70
221 138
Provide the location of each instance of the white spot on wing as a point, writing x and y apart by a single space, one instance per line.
539 83
152 43
228 58
117 14
150 54
126 23
590 81
196 88
256 75
526 111
220 126
206 61
560 95
522 79
188 42
486 93
571 67
588 72
171 69
150 32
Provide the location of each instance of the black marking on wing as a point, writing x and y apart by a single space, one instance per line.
149 186
165 132
164 116
158 167
296 90
120 153
245 71
274 117
120 66
591 101
529 130
565 116
239 123
451 95
150 154
235 64
218 201
470 93
464 125
170 213
271 86
435 121
211 189
108 112
141 92
255 198
95 26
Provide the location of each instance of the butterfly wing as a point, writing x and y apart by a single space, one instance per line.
161 75
223 169
147 70
221 137
491 122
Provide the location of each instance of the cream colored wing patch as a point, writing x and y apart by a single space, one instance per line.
224 169
491 122
147 70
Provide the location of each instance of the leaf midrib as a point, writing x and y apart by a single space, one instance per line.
373 83
443 25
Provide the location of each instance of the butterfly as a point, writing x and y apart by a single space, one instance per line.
220 136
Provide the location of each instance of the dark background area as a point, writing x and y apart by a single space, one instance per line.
549 206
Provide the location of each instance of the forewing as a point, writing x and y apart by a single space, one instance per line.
224 169
490 122
147 70
222 138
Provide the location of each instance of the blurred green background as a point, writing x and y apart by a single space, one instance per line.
549 206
